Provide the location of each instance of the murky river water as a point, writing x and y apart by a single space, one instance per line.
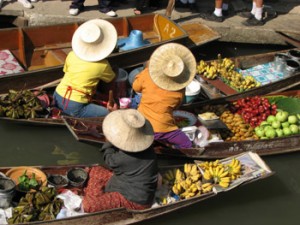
275 200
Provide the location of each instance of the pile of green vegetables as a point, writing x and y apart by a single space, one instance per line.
20 104
41 205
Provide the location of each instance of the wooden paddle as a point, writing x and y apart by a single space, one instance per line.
111 100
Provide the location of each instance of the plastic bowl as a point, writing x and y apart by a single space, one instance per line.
192 91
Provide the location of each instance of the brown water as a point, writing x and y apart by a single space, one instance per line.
275 200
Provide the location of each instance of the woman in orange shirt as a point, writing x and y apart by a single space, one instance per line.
162 85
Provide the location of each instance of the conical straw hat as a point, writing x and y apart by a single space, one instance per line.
94 40
172 66
128 130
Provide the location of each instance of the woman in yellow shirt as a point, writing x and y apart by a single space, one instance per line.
162 85
84 67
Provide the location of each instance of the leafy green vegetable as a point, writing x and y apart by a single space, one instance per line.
26 183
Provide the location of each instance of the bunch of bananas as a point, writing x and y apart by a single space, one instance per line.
221 174
207 70
234 169
168 177
188 183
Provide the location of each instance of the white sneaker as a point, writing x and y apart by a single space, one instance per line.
26 4
74 12
111 13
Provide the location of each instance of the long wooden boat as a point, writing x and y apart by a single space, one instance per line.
41 50
88 130
219 90
208 87
123 216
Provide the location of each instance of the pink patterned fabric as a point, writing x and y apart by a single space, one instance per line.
8 63
95 199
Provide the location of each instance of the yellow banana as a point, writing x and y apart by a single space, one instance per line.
224 184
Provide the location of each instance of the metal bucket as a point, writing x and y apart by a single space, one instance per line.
294 55
291 67
7 191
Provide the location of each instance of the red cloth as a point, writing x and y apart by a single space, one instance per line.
95 199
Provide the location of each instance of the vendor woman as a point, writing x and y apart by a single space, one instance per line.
84 67
131 179
162 85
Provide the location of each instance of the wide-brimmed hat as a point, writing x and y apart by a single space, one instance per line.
94 40
135 40
172 66
128 130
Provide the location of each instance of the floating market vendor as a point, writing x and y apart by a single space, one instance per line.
85 67
162 85
132 179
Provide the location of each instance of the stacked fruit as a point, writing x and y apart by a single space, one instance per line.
221 174
281 124
239 130
187 183
254 110
225 68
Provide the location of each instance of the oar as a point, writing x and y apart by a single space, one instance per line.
50 84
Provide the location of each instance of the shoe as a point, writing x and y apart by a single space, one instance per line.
213 17
247 15
111 13
74 12
253 22
34 1
26 4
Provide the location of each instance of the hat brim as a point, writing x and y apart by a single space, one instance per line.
157 63
124 44
117 131
99 51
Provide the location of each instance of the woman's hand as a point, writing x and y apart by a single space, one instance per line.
112 108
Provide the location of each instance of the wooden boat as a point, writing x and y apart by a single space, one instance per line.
291 38
91 131
218 89
208 88
123 216
41 50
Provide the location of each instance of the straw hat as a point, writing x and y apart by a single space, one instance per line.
135 40
172 66
94 40
128 130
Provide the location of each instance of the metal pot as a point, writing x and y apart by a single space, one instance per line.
294 54
7 191
291 67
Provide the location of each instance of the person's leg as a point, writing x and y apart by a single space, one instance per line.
95 199
93 110
257 19
225 8
217 15
76 6
140 6
259 9
104 7
176 138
